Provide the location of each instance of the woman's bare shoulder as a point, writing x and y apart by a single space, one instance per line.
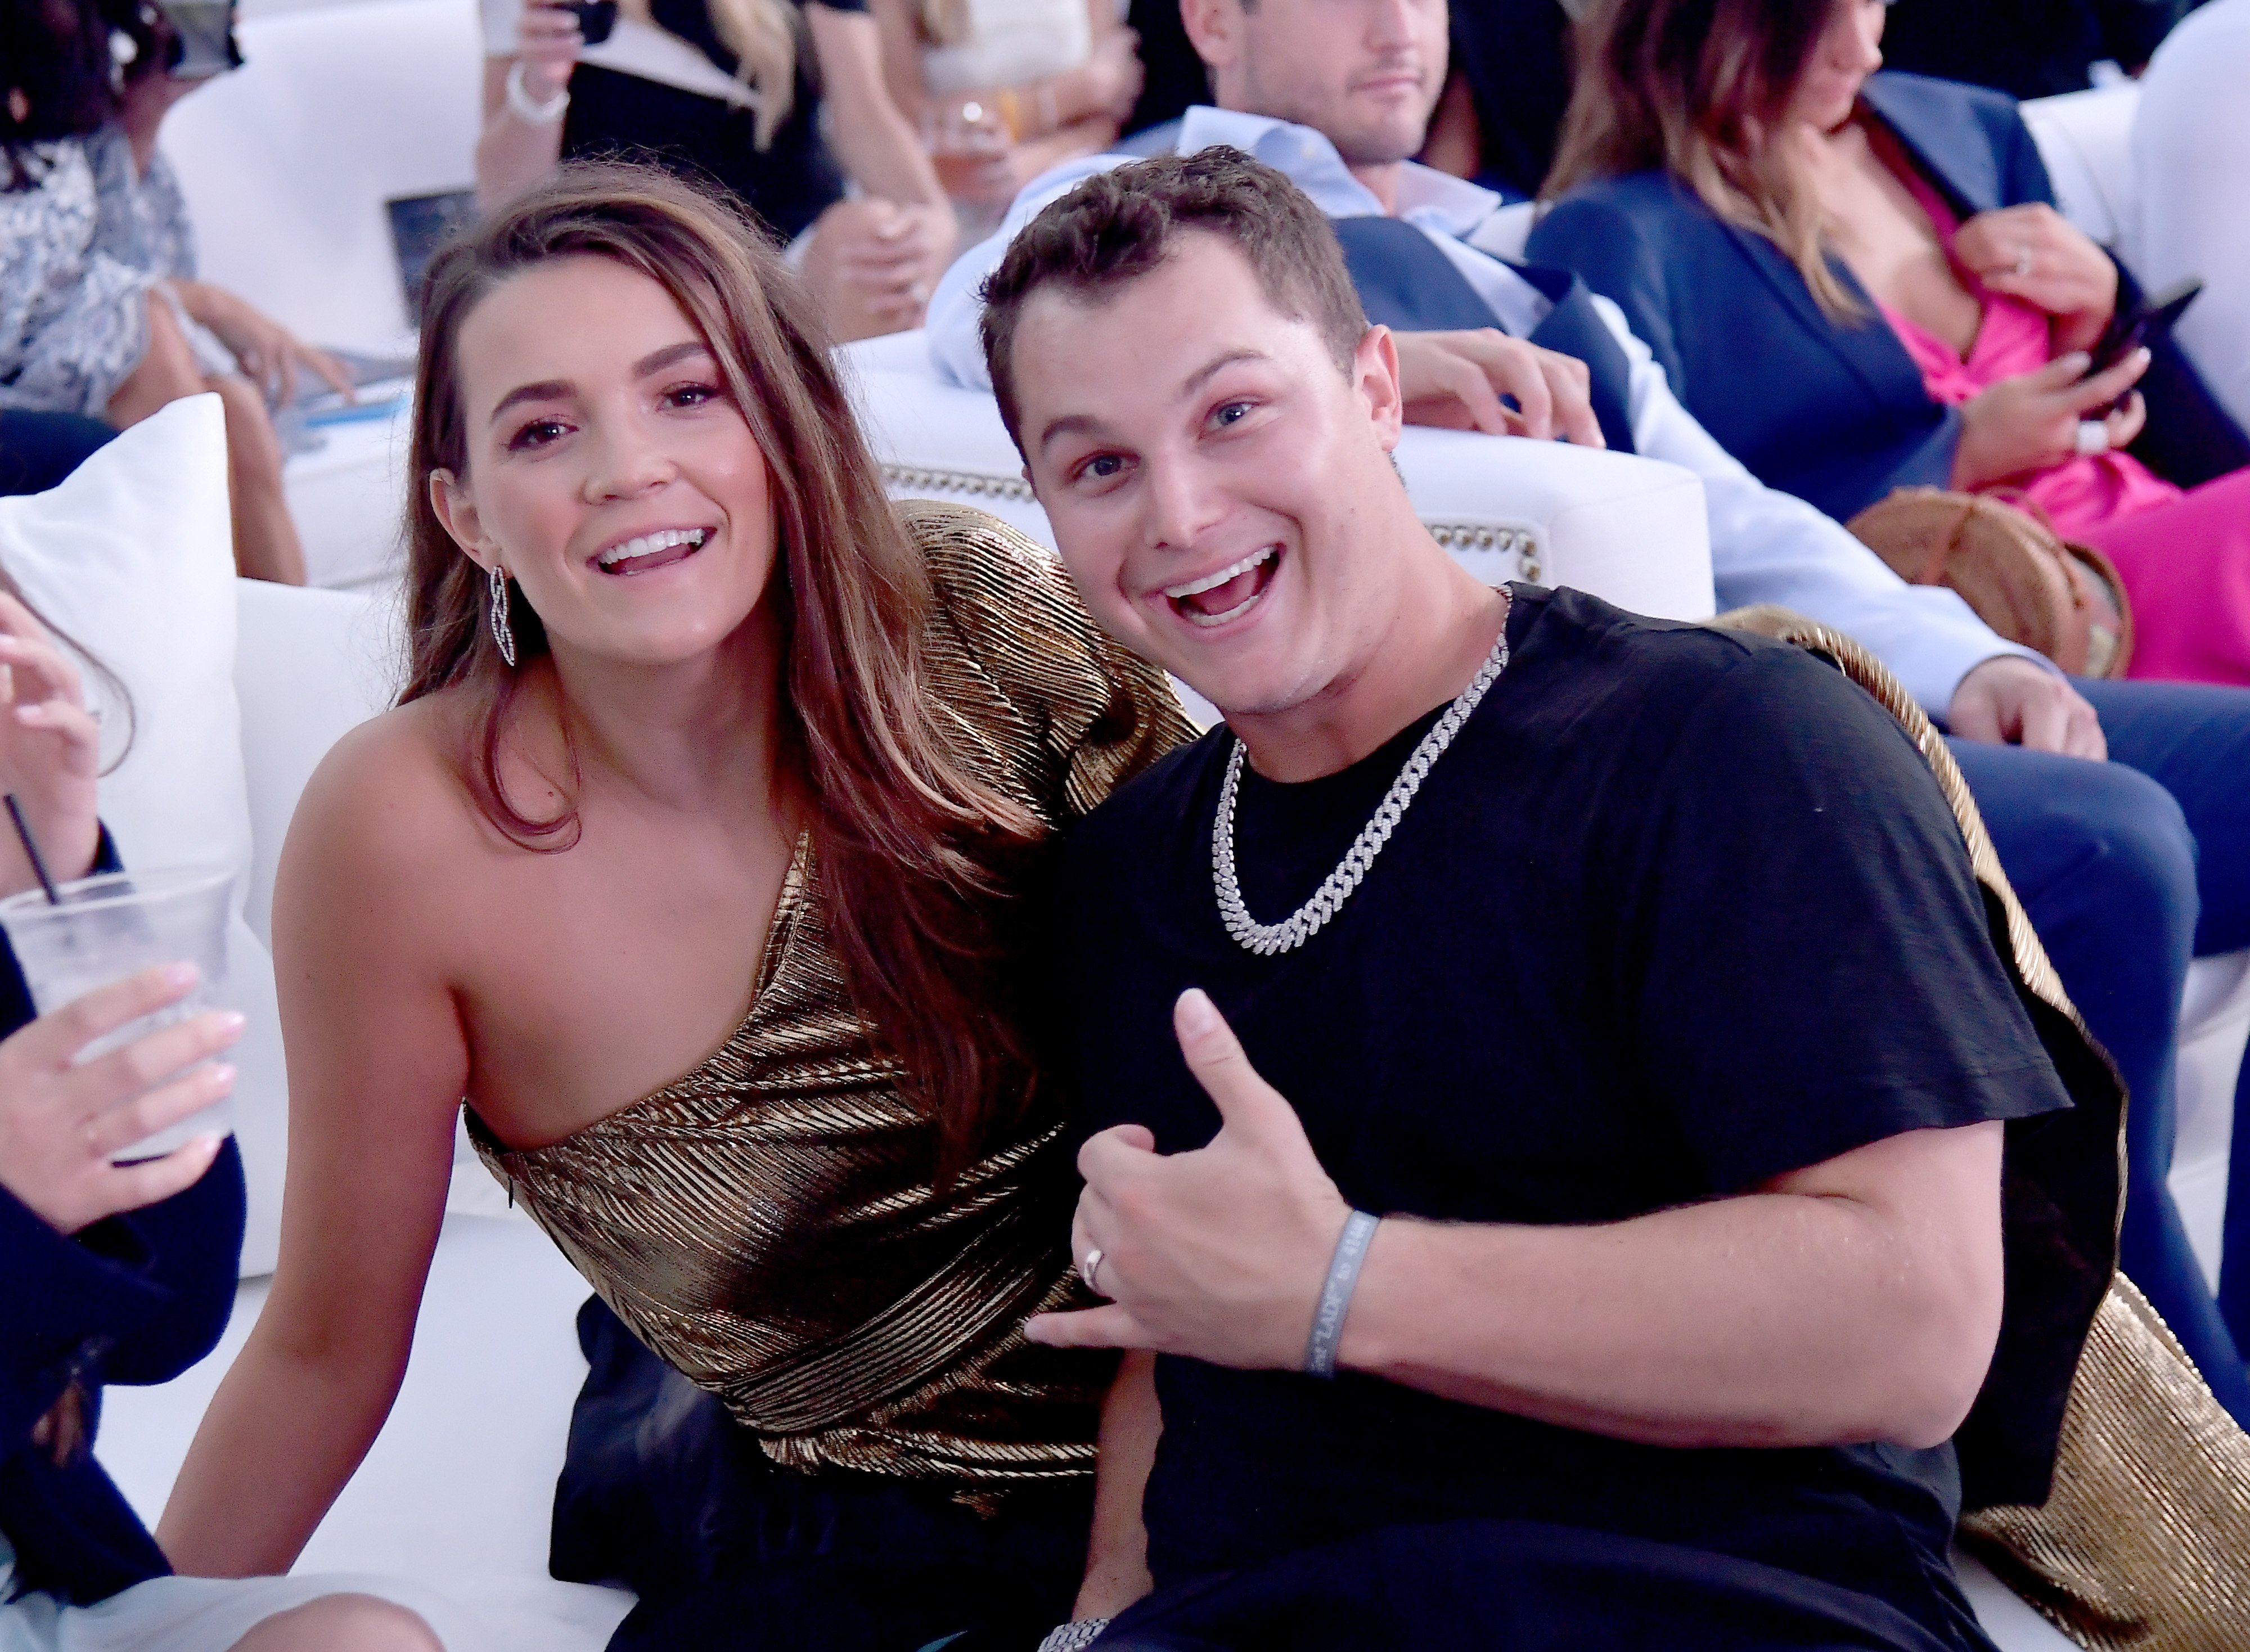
390 795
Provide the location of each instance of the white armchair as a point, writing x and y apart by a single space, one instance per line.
1629 529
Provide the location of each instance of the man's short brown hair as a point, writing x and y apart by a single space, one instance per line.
1119 226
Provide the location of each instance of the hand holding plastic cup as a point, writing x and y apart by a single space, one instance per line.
101 930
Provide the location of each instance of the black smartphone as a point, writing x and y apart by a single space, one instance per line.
596 17
200 41
2129 330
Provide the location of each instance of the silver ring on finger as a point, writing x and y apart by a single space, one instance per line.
2092 436
1090 1269
2023 264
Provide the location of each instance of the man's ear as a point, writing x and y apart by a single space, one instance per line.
1214 29
456 510
1374 376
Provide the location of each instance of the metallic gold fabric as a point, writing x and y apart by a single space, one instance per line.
766 1223
2143 1544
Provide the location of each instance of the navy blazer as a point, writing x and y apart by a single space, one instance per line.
137 1299
1835 412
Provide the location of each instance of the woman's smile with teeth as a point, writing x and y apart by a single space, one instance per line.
1218 598
685 541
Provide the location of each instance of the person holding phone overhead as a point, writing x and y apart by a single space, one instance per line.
1858 282
731 91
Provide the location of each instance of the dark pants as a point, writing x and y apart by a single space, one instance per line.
2127 869
664 1492
37 450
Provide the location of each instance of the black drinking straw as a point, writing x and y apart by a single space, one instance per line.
31 849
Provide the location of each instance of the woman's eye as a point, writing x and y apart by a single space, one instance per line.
691 394
1230 412
1102 466
537 433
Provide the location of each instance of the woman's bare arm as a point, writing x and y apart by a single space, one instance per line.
378 1065
513 154
878 148
1117 1550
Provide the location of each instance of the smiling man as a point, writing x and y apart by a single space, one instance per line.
1633 974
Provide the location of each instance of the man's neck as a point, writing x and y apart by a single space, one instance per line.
1443 622
1382 182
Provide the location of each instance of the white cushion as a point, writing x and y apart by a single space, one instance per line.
309 667
132 556
2085 139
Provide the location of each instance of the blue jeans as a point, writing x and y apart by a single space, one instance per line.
2127 869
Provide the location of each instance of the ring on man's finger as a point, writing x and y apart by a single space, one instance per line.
1090 1268
2092 436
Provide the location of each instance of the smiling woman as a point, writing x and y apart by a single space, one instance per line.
695 860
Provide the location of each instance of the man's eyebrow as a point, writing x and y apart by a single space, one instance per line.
1212 369
1073 422
548 389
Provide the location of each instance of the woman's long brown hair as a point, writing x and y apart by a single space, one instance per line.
1700 88
919 860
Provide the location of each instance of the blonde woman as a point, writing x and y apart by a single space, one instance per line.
731 91
1004 89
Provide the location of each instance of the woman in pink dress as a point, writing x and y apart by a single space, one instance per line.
1856 282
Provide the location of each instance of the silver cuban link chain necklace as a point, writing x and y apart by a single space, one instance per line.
1267 939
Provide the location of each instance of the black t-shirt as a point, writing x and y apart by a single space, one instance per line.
788 184
1679 910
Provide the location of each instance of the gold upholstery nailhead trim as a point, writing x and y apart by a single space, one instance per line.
976 484
1453 535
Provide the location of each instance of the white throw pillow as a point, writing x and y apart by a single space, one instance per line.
132 556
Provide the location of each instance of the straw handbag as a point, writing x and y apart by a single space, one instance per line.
2022 578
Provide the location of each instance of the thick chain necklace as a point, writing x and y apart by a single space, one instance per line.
1266 939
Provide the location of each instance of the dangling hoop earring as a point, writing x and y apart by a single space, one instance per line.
501 632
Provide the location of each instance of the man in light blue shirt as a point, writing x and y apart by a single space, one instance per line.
1338 95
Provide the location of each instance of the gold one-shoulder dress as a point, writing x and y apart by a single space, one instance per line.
770 1225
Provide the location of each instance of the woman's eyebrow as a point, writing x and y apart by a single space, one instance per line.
656 361
545 390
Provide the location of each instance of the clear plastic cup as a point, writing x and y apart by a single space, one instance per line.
107 928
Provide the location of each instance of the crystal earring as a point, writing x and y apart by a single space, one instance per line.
502 634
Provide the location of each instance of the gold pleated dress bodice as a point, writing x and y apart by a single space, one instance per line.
769 1223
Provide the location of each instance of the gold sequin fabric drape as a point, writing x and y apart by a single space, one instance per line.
767 1223
2142 1543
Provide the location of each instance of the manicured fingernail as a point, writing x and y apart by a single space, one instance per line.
1198 1013
232 1021
1035 1329
223 1074
181 975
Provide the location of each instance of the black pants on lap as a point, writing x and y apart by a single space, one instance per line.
662 1491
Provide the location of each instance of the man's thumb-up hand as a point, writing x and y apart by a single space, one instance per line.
1217 1254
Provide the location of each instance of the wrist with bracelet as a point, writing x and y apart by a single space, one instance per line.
530 110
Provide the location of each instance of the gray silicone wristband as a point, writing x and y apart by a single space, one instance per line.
1335 1294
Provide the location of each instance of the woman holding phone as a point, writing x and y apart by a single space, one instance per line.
698 863
731 91
1858 282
